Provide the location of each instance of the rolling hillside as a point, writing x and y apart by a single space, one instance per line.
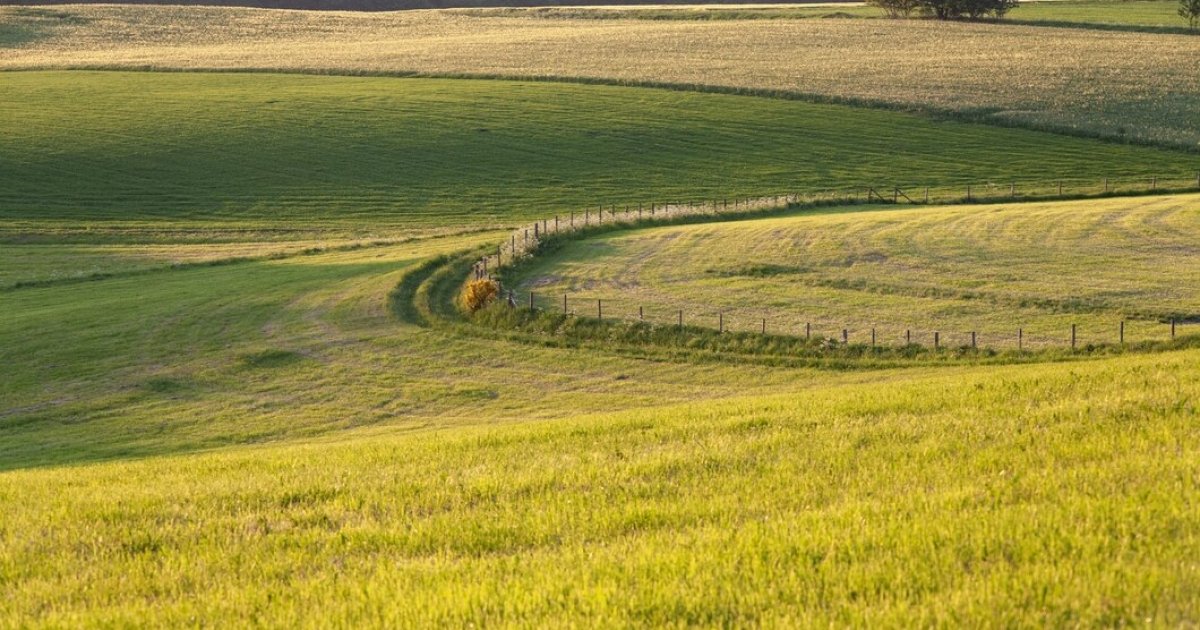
1144 91
237 386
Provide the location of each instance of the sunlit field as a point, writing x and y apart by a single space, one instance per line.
905 272
239 385
1144 89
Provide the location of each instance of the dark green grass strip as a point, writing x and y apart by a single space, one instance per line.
307 150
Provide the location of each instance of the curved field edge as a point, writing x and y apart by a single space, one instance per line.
226 356
430 294
983 115
1042 267
1078 95
384 156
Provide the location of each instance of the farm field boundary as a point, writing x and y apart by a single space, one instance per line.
430 296
812 59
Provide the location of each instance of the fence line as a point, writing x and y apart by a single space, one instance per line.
524 240
1071 336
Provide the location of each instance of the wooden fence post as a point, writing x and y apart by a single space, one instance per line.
845 336
1122 334
872 337
721 322
1012 189
908 337
937 341
531 300
808 330
641 314
681 320
1020 339
973 339
926 195
1072 336
599 310
1105 184
1060 189
764 326
564 304
1172 328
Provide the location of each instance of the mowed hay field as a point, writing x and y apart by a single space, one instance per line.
217 356
991 269
267 441
1140 86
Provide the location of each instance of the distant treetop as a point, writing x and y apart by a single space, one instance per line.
950 9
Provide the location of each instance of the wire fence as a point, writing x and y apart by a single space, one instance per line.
524 242
1096 329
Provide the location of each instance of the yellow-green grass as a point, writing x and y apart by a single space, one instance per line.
211 356
999 497
1141 86
266 442
91 154
988 269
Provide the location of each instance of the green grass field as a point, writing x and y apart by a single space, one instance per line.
1156 14
991 269
998 497
266 441
235 390
430 154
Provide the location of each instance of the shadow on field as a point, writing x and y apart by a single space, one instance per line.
194 359
24 25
